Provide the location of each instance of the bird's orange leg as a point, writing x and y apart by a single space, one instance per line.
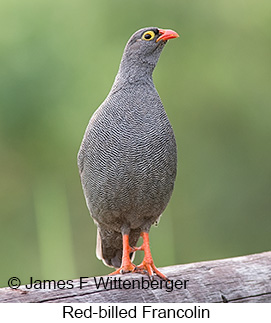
126 264
147 264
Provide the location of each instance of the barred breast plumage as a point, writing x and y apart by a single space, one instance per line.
127 159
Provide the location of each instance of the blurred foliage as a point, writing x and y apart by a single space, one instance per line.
58 62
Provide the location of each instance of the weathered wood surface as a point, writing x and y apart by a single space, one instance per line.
239 280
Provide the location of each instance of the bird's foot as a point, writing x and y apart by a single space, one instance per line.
126 266
124 269
148 267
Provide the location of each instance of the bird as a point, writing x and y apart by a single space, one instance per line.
128 157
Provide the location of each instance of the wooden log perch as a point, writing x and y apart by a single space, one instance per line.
236 280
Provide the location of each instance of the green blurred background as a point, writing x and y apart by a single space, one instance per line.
58 62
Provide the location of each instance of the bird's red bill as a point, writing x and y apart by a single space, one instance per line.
167 34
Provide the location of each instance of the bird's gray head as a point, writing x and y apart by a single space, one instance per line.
142 52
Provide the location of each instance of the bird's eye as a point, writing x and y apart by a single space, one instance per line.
148 35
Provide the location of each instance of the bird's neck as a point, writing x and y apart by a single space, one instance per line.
134 71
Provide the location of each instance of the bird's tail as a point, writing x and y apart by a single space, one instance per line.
109 246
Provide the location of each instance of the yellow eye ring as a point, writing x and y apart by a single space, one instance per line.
148 35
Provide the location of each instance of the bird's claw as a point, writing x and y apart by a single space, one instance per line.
149 269
124 269
139 270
